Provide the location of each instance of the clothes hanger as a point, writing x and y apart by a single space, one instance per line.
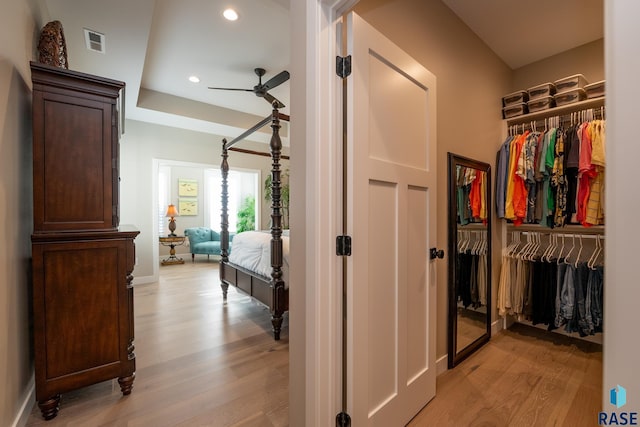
536 247
514 243
476 243
523 251
596 252
547 252
579 252
559 261
566 258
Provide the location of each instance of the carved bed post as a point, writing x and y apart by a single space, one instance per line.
277 284
224 223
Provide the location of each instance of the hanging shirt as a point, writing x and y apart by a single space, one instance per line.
475 195
558 181
513 161
519 187
502 176
484 211
598 143
586 173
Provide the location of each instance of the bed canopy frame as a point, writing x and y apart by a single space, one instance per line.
271 291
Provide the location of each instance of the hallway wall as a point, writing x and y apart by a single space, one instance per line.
16 207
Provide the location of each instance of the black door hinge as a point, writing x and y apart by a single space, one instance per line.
343 420
343 245
343 66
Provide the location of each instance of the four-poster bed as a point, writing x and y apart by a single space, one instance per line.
269 290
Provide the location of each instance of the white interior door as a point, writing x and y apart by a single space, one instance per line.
391 216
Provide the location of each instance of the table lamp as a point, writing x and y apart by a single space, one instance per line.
171 213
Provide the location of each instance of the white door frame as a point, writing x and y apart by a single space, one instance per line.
316 167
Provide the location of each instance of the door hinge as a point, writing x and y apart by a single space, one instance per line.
343 420
343 66
343 245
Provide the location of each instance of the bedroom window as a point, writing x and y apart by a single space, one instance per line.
243 187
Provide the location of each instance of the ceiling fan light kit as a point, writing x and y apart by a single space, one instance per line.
261 90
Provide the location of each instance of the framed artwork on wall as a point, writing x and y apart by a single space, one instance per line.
188 207
187 187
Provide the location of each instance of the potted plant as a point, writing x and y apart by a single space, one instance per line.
246 215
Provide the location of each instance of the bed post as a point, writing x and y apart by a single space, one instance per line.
224 224
277 284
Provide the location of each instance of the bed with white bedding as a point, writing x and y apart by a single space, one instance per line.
252 251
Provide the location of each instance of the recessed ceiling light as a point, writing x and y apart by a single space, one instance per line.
194 79
230 14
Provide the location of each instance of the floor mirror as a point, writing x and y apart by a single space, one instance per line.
469 196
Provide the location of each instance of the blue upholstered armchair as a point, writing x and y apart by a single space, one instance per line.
205 241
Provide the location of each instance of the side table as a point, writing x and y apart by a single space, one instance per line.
172 242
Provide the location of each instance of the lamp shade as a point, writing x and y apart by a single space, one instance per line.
171 211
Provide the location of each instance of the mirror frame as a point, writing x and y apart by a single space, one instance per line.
453 357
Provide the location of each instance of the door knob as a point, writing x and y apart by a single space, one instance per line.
436 253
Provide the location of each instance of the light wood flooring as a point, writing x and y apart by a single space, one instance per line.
522 377
201 362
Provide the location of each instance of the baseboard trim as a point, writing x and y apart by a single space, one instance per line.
442 365
497 326
143 279
27 405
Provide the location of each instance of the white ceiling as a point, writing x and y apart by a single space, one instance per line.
155 45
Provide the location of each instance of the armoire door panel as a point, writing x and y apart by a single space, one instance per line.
76 194
82 283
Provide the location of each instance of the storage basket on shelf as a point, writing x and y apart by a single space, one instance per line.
595 90
541 104
514 110
577 81
515 98
541 91
569 97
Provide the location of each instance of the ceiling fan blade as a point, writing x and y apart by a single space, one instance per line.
230 88
276 81
270 99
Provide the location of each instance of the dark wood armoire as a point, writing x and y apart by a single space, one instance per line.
82 258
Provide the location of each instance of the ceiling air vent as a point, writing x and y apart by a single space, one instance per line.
95 41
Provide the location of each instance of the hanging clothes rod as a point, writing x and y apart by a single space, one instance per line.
558 121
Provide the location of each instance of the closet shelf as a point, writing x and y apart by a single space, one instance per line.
556 111
472 226
568 229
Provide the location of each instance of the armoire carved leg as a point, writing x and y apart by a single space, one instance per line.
225 287
126 384
276 321
49 407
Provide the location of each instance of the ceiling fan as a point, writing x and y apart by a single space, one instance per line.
261 89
